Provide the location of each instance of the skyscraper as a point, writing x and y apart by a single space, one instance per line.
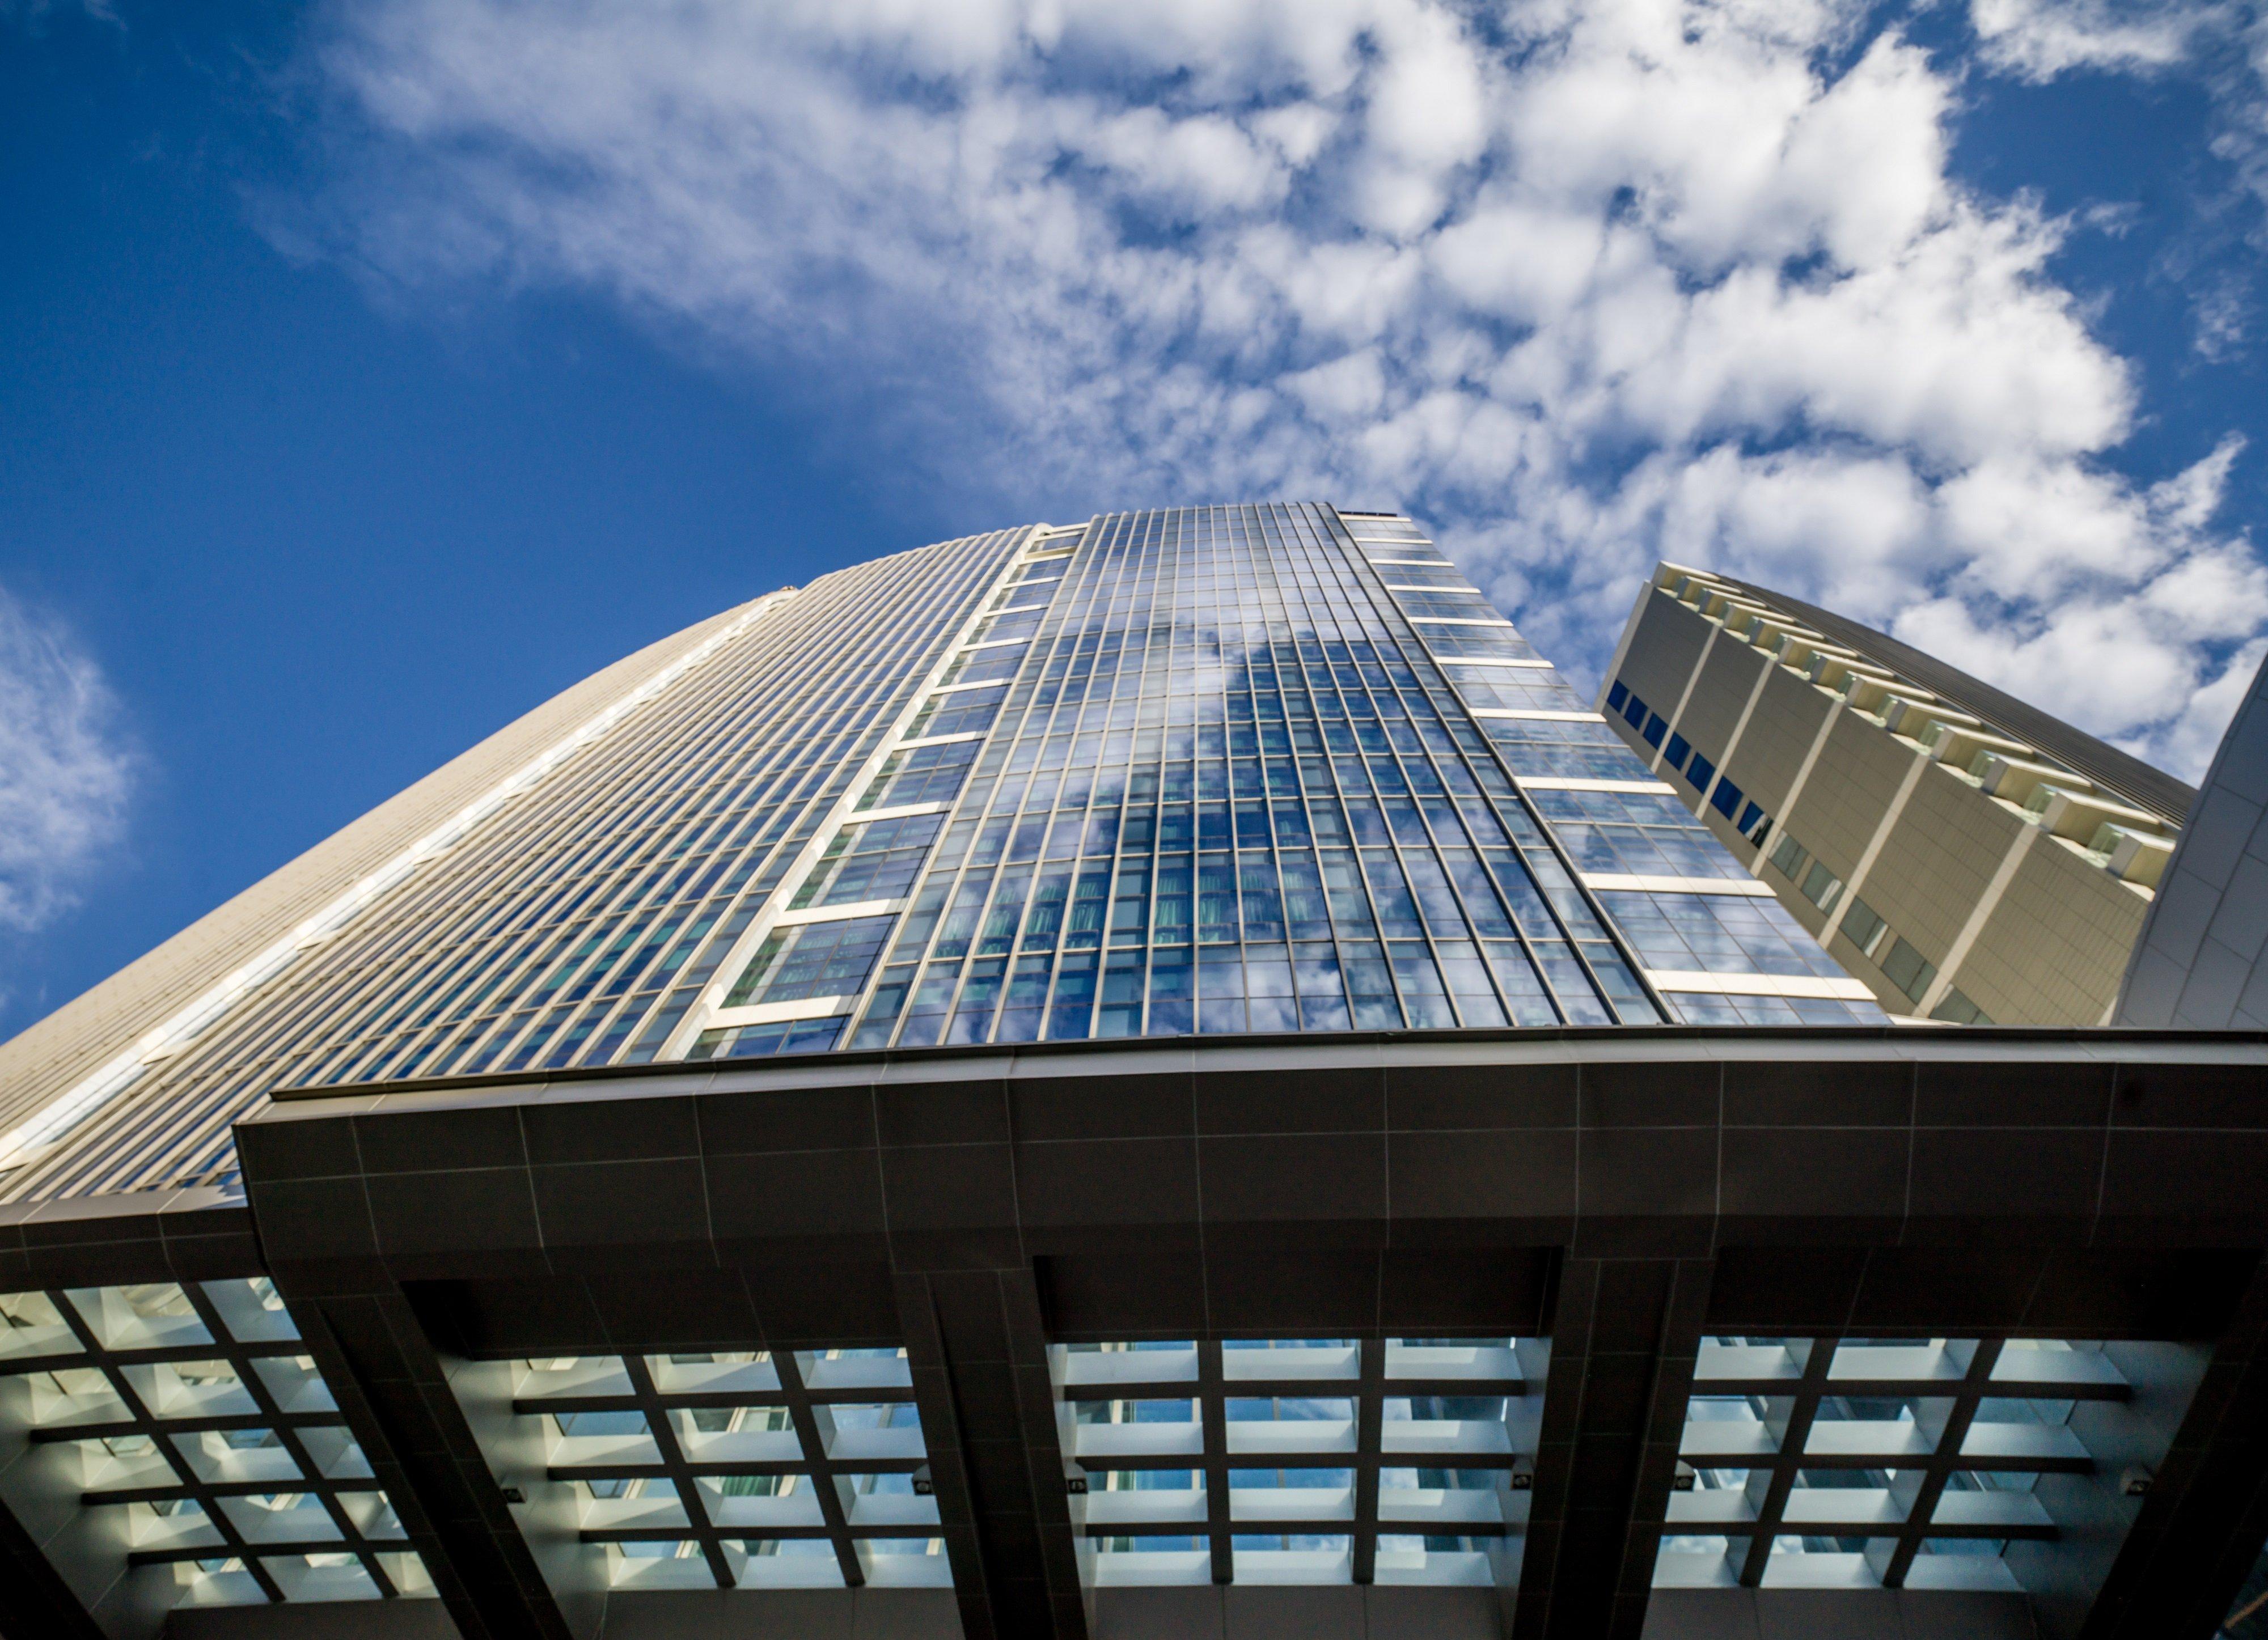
1221 770
1155 1076
1970 856
2198 960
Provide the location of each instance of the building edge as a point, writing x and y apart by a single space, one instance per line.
2121 771
49 1060
2198 958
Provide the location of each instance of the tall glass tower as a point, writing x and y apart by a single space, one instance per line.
1159 1077
1222 769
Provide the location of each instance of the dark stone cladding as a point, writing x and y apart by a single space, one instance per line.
198 1232
1625 1193
1674 1142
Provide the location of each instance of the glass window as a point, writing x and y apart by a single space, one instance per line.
1958 1010
186 1462
813 960
878 861
1908 969
1920 1461
1863 925
1219 763
1821 887
963 712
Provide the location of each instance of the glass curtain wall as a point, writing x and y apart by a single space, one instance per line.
1220 770
1256 768
577 924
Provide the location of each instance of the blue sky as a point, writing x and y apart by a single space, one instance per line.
369 371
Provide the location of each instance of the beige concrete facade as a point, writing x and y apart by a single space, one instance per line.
50 1058
1941 840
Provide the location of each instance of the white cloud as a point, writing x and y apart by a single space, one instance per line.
2147 617
2220 46
1523 261
1195 165
2038 40
1764 519
1350 389
2192 738
64 776
1583 283
1427 106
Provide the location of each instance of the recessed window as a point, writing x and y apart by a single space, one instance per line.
1908 969
228 1472
1957 1009
705 1470
1863 925
1247 1459
1936 1463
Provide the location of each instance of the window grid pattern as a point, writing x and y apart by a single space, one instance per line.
1717 933
1449 641
1422 577
968 711
1438 603
1624 833
1691 765
1643 833
1228 789
748 1469
1522 690
876 861
1228 792
1306 1461
578 924
1577 751
1854 1461
192 1412
811 960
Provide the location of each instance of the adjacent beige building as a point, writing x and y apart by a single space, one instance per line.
1971 858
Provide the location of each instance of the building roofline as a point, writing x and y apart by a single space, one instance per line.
2122 772
1501 1046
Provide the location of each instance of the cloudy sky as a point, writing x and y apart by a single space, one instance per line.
369 371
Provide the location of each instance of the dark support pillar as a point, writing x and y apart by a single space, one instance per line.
974 1342
1212 1413
1976 1385
824 1481
1792 1435
390 1385
2206 1516
1624 1342
1369 1437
